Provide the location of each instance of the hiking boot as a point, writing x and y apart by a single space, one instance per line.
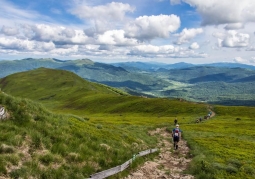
176 147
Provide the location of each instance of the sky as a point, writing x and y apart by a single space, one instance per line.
166 31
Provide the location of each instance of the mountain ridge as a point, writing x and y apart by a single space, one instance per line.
181 80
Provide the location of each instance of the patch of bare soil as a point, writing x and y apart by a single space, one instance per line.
169 164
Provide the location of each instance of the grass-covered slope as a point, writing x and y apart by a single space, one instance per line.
223 145
53 86
39 144
108 128
100 127
65 91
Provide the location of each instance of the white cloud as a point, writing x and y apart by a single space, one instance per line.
194 45
56 34
165 51
9 31
61 51
115 37
240 60
232 39
113 11
215 12
232 26
188 34
103 17
16 44
24 45
150 27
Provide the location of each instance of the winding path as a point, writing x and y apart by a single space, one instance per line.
169 164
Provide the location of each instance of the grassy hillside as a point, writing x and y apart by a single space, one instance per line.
37 143
87 69
65 91
42 144
53 86
223 146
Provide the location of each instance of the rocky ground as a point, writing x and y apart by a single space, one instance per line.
169 164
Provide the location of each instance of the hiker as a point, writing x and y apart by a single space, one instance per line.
175 121
176 134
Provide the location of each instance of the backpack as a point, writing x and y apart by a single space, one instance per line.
176 132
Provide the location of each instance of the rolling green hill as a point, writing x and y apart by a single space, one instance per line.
41 144
93 71
72 127
64 90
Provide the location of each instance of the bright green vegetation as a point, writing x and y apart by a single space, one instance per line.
40 144
223 146
71 128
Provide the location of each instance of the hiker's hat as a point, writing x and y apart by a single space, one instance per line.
177 125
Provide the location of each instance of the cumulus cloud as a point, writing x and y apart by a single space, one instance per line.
102 17
232 39
233 26
115 37
187 34
194 45
9 31
165 51
24 45
57 34
150 27
215 12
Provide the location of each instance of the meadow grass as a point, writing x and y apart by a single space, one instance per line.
72 128
223 146
74 143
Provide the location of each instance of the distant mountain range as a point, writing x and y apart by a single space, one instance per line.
153 66
219 83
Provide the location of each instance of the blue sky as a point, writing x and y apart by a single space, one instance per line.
169 31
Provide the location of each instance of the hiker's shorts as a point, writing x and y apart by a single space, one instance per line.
176 139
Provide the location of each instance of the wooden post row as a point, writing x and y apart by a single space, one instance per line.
120 168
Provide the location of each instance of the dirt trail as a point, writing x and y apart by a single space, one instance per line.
169 164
